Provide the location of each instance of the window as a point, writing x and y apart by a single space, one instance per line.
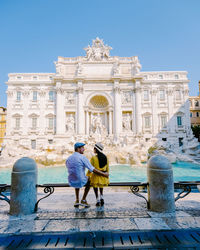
34 96
51 96
190 114
179 120
178 94
17 122
162 94
176 77
50 141
35 77
34 122
18 96
160 76
33 144
164 139
163 121
50 125
196 103
146 95
147 122
197 114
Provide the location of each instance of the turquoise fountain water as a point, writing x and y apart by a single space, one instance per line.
183 171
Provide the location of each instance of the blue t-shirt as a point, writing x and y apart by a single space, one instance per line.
76 164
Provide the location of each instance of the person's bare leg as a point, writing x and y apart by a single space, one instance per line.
77 194
101 196
86 191
101 191
95 192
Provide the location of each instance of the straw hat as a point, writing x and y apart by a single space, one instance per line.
99 147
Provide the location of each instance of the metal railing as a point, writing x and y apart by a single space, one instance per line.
136 188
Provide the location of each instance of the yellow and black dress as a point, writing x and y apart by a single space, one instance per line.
95 179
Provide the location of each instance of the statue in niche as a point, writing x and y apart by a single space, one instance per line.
70 126
70 98
126 97
97 124
126 122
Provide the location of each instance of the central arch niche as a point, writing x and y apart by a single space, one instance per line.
98 108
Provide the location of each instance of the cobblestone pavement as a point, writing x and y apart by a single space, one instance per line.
122 211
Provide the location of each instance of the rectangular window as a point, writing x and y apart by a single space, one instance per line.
51 96
50 141
50 125
146 95
162 94
147 122
34 96
17 123
18 96
34 122
33 144
179 120
163 121
190 114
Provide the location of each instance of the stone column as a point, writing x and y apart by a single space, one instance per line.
87 122
60 115
110 122
155 122
117 110
26 123
79 109
9 128
187 120
138 116
172 120
134 129
42 119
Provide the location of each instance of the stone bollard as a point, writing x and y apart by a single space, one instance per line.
161 184
23 187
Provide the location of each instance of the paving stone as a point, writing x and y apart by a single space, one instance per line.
151 223
107 224
189 222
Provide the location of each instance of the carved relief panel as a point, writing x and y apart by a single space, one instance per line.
70 98
126 97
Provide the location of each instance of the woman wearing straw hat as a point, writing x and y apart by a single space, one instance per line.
100 162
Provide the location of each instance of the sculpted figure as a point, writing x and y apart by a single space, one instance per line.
89 52
70 124
70 98
126 98
115 68
127 122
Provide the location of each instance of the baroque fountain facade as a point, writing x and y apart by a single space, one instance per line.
99 97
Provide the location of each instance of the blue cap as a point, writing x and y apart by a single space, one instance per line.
78 145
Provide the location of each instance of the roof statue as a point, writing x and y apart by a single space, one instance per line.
99 51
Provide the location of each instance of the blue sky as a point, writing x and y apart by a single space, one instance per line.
164 34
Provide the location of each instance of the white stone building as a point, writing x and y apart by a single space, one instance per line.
97 96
